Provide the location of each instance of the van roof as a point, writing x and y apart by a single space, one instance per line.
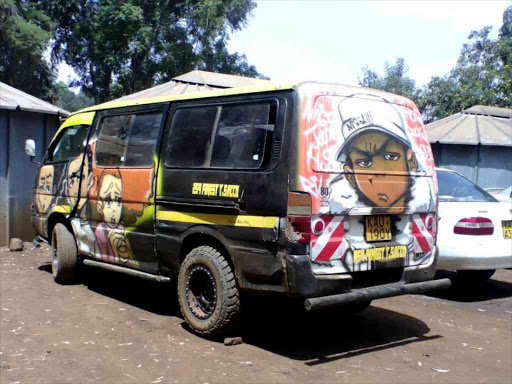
189 96
232 92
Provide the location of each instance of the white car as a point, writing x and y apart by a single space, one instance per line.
474 230
505 195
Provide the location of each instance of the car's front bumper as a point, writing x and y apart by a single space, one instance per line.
475 259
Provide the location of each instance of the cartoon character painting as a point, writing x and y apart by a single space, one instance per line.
364 156
110 234
44 191
74 183
376 153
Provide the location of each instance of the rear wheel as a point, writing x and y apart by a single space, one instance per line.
207 293
64 255
476 276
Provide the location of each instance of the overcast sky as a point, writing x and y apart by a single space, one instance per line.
294 40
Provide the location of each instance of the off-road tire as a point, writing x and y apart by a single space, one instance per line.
474 276
217 273
64 255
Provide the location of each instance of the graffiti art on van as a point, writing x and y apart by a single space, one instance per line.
366 152
110 233
359 153
44 188
376 153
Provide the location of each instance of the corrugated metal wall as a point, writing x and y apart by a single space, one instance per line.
486 165
17 172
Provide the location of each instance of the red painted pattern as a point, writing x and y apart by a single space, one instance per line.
424 237
324 245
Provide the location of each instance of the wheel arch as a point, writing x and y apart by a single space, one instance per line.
56 218
203 236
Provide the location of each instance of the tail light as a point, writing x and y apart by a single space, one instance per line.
298 228
476 226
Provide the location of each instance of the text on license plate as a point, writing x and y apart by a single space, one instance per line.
378 228
380 254
507 229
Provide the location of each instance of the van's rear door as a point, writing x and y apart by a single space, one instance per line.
366 162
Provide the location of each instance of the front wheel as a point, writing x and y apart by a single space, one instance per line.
64 255
207 293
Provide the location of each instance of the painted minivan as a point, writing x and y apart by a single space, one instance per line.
318 191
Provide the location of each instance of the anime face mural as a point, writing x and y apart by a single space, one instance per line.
365 156
44 191
74 184
376 154
110 234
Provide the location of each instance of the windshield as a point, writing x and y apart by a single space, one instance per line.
454 187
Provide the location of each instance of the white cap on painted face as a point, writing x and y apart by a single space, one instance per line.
362 113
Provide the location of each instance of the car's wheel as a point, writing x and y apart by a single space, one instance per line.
475 276
64 255
207 293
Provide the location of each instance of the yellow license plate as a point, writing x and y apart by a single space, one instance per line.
507 229
378 228
380 254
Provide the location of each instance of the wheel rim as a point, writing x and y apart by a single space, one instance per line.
201 292
55 259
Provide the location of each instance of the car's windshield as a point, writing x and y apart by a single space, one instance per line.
453 187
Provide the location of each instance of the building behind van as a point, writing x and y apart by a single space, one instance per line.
318 191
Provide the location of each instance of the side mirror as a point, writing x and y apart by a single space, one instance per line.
30 147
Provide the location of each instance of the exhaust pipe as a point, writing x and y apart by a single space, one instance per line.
374 293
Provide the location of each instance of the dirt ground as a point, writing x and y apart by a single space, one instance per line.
116 329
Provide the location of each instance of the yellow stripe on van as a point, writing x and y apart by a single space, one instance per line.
212 219
61 209
77 119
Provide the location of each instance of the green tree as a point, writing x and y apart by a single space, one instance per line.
24 36
482 76
68 100
118 47
395 79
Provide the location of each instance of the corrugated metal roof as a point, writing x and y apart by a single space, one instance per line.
489 111
476 125
14 99
170 88
220 80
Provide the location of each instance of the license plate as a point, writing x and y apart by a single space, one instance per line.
382 254
507 229
378 228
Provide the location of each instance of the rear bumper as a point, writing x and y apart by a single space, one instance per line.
302 282
474 259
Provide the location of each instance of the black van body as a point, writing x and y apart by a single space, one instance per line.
211 192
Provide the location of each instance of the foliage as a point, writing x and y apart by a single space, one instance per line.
118 47
395 79
24 35
68 100
482 76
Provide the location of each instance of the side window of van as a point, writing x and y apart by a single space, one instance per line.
70 144
231 136
128 140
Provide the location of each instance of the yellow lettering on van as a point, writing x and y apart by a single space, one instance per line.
379 254
196 188
222 190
